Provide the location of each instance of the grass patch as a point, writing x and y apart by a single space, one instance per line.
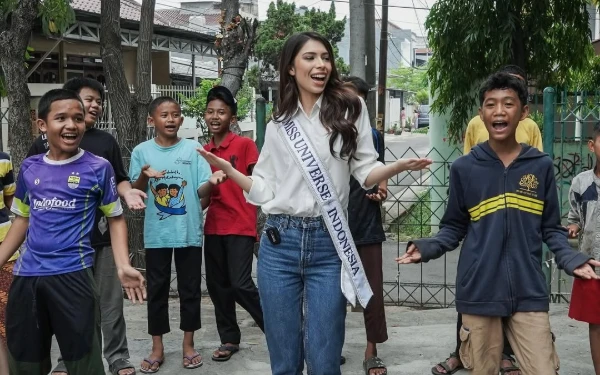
424 130
415 222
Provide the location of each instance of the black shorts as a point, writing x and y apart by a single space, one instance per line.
62 305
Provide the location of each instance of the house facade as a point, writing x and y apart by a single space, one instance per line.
76 53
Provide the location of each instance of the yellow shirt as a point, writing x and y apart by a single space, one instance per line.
164 201
7 188
527 132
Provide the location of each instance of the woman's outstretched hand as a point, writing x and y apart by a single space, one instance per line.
215 161
413 164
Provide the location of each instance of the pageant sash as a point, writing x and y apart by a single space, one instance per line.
354 282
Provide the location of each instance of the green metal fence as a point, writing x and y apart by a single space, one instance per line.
416 202
568 120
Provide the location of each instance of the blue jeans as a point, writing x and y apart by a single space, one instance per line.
303 305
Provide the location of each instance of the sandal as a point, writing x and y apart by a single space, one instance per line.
513 367
225 348
191 358
121 364
445 366
373 363
151 362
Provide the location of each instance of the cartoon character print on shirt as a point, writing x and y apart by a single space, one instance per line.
169 198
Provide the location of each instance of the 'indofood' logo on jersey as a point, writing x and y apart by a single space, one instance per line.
50 204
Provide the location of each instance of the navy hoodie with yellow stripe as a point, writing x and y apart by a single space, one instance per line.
503 214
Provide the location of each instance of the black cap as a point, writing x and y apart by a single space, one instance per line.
222 93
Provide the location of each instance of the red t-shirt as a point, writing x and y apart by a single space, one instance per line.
228 212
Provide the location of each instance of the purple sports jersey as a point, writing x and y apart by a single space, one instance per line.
60 199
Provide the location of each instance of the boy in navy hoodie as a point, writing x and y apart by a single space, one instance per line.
503 199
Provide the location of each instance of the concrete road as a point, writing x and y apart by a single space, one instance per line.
417 340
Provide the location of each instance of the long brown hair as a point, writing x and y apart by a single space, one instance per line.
337 100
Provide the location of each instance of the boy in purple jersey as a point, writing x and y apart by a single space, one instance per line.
53 292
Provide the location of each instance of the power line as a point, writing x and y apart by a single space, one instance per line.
197 67
190 22
399 51
419 21
187 10
389 34
404 58
387 6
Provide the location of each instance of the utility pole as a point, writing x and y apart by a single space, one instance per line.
357 40
371 59
383 52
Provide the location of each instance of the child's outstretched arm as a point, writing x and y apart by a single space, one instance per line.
205 190
141 183
153 190
14 238
453 227
110 205
131 279
555 235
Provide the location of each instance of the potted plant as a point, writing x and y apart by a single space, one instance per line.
397 129
408 127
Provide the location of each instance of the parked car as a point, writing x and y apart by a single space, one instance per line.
423 119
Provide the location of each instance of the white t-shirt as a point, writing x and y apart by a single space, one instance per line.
278 186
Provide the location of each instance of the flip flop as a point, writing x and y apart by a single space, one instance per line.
445 366
373 363
230 348
152 363
121 364
190 359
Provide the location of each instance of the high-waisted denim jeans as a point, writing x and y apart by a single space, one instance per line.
303 305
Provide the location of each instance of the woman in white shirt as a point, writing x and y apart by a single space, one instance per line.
299 265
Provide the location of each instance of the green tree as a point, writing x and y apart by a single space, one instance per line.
17 18
195 106
410 79
472 38
283 21
253 77
587 78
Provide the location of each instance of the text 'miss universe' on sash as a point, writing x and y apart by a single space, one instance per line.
354 282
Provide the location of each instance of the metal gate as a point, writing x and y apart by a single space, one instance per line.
416 202
569 117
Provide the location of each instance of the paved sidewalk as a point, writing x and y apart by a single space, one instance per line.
418 339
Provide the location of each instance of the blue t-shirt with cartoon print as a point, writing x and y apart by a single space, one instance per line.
173 216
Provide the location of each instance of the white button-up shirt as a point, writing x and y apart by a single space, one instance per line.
278 185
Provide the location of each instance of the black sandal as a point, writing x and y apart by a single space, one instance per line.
373 363
225 348
445 366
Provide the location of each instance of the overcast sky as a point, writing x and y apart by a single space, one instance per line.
406 18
